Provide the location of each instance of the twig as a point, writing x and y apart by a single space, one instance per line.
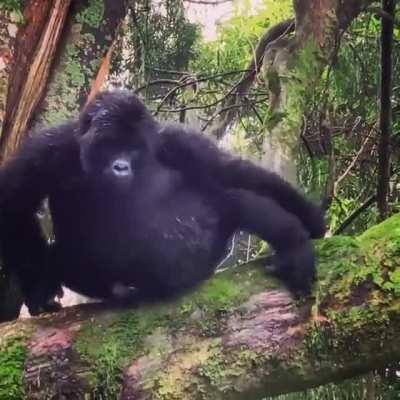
242 87
384 15
169 71
371 200
194 81
215 115
353 162
304 139
186 108
157 82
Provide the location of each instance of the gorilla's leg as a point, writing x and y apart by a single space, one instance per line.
294 260
27 255
25 180
44 286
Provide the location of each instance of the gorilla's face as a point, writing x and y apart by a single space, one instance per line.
116 140
113 160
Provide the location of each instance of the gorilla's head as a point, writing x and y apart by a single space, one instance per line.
116 137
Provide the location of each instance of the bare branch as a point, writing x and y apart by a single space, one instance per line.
349 220
157 82
243 86
191 82
353 162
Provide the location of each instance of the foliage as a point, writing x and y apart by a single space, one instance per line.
238 38
108 346
14 6
157 38
346 100
226 58
11 5
92 14
12 358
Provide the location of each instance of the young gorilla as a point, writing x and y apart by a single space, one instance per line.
136 204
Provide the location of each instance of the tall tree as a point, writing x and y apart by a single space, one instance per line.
385 120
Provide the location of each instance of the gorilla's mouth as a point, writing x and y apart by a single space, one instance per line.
121 168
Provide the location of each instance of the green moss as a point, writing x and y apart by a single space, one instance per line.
304 71
220 369
210 304
353 271
93 14
12 359
358 278
350 335
109 344
214 368
213 371
291 81
338 262
317 342
388 230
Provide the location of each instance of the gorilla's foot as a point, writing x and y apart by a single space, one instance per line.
49 307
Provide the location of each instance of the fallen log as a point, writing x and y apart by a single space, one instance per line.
239 336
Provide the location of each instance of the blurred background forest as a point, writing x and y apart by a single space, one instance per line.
212 64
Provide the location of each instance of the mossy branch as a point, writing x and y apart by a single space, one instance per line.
238 336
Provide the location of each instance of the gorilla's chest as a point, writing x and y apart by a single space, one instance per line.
160 218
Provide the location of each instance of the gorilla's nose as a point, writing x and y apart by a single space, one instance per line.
121 167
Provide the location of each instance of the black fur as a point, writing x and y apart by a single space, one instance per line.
137 204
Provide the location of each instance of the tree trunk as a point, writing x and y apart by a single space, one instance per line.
385 120
239 336
32 69
10 24
51 58
292 67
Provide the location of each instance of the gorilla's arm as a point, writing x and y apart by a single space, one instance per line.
197 156
25 180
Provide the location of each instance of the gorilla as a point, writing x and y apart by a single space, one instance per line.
141 207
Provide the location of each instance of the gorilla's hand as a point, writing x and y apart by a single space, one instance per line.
296 268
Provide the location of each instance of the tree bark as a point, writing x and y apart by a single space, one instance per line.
239 336
10 25
28 85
